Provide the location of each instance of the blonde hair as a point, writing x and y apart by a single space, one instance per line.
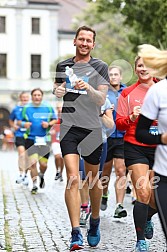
155 59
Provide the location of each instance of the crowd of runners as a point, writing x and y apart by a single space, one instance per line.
99 124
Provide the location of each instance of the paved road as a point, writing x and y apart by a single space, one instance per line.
39 223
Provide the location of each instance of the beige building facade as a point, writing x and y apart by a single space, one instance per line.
33 34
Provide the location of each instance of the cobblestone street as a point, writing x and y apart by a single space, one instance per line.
39 223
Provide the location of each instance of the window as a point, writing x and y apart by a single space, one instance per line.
2 24
35 66
35 25
3 65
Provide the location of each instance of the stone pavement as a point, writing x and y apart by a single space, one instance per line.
39 223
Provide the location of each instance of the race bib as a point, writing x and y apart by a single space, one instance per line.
153 130
23 129
40 140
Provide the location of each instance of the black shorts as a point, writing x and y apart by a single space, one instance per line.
136 154
115 148
86 142
41 150
20 141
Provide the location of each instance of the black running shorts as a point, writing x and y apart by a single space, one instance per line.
41 150
20 141
136 154
115 148
85 142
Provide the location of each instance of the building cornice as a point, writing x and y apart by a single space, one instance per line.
31 4
48 2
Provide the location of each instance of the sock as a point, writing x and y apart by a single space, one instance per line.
118 204
40 174
35 182
76 229
85 205
151 212
105 195
140 212
94 221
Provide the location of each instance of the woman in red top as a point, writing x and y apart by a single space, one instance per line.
139 157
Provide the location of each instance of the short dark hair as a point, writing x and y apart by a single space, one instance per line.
86 28
36 89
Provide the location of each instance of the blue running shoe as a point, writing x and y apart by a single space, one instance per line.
142 246
93 236
76 241
149 229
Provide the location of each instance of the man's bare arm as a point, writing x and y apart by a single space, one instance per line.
98 96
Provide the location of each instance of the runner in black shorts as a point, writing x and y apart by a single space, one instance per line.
83 83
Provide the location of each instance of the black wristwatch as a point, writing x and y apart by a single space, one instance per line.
53 91
102 114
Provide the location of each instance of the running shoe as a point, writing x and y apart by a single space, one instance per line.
133 200
128 189
61 178
20 179
104 200
149 230
76 240
25 181
93 235
41 180
34 190
142 246
58 175
84 215
120 212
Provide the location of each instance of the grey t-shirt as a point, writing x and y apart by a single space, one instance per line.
78 108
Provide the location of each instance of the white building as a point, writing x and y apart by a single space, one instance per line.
33 34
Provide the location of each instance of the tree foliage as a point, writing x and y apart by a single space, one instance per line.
112 41
147 18
112 36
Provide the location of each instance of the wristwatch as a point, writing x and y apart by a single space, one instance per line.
102 114
53 91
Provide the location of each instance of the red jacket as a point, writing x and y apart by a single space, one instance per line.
130 97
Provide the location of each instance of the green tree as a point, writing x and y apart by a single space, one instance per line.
112 41
147 18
